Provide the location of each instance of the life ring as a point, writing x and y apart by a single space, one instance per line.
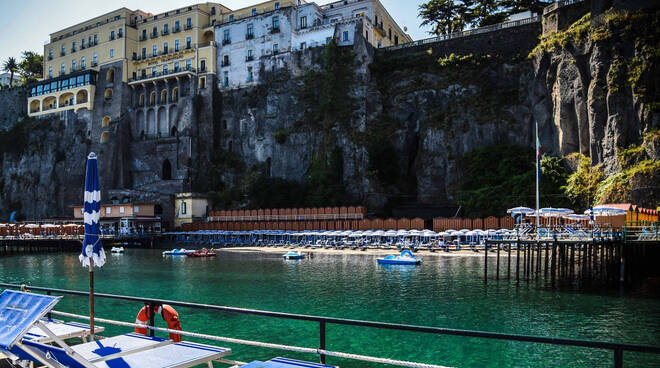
168 313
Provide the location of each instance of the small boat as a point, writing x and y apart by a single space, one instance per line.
294 255
405 258
178 252
117 250
203 253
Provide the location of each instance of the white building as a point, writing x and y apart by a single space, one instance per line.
263 39
5 78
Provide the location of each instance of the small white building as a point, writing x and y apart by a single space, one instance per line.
263 40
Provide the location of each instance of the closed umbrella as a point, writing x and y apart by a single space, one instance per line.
92 249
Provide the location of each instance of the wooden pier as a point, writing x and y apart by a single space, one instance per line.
38 244
571 263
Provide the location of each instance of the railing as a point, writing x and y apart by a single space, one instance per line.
559 4
154 34
160 74
302 217
249 36
164 33
176 30
226 41
275 30
470 32
187 27
249 58
617 349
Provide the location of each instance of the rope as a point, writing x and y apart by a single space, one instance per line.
299 349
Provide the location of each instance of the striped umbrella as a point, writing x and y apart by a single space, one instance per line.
92 249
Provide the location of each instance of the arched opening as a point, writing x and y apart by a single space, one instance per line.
172 117
35 106
167 170
163 127
175 94
141 100
66 99
81 96
49 103
142 135
209 36
224 124
163 96
105 136
230 148
151 122
110 75
105 122
107 95
152 98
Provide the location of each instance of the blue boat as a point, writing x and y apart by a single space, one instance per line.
294 255
405 258
178 252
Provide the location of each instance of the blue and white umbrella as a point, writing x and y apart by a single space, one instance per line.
92 247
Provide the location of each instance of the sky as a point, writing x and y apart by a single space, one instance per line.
28 23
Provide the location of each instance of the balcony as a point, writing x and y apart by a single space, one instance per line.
187 27
164 32
62 53
50 57
275 30
112 38
226 41
73 50
94 64
82 47
120 35
249 58
154 34
249 36
143 38
176 30
225 63
159 75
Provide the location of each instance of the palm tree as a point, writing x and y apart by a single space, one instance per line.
10 66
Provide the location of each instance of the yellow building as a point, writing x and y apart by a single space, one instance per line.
189 207
144 47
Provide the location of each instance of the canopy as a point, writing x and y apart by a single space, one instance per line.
554 212
606 211
521 211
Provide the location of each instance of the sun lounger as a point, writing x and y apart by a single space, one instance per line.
285 363
61 329
19 312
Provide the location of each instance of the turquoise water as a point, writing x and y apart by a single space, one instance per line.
443 291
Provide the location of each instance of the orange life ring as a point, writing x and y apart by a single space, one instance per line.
168 313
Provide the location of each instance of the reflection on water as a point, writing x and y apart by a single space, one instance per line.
442 291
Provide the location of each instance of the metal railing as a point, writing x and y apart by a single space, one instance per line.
616 348
469 32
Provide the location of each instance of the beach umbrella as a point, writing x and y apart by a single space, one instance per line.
576 217
554 212
605 211
92 249
521 211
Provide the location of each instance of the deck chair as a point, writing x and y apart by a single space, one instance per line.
280 362
61 329
20 311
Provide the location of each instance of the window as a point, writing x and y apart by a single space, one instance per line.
95 59
176 45
73 46
226 37
396 39
82 62
154 71
90 41
96 40
108 210
176 67
177 26
277 5
136 209
366 35
121 209
166 28
231 17
250 56
345 35
165 69
120 33
250 31
202 82
188 23
225 79
213 10
63 52
183 208
50 54
50 71
154 50
303 22
112 35
73 65
165 46
202 65
249 74
144 34
188 64
276 22
389 33
82 44
303 45
154 32
112 53
225 60
188 42
117 17
276 48
254 11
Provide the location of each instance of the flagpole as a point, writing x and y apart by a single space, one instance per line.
538 178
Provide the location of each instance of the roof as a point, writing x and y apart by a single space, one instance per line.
630 207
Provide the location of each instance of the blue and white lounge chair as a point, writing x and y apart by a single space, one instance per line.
285 363
63 330
19 312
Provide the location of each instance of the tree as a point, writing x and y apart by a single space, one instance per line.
10 66
31 66
449 16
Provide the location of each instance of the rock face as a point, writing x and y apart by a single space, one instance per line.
401 129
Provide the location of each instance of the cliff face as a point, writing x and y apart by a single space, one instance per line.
384 128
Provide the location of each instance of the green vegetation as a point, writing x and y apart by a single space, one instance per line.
582 185
29 69
449 16
575 34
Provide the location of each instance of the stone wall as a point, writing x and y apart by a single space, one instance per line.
13 104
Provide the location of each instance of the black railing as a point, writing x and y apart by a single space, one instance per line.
226 41
225 63
154 34
187 27
176 30
249 36
275 30
143 38
249 58
164 32
616 348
